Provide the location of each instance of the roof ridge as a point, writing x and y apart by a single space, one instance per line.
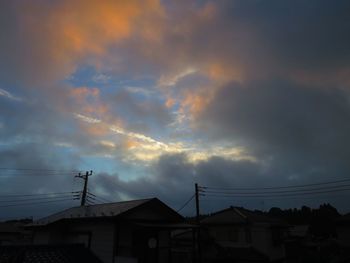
119 202
239 212
113 209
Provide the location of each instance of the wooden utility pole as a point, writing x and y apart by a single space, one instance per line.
198 236
197 202
86 179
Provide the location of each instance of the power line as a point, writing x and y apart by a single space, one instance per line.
37 203
37 170
89 193
276 187
33 199
89 198
104 200
251 195
39 194
186 203
14 176
12 173
276 192
90 202
100 199
292 197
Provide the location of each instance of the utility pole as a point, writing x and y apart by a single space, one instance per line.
197 202
198 236
86 179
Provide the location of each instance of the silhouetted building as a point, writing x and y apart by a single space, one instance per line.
241 235
14 233
343 230
131 231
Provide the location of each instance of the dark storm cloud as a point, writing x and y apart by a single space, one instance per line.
14 180
303 34
173 179
30 133
298 131
173 182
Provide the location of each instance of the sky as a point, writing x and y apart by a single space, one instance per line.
156 95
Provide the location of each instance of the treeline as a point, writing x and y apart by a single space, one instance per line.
322 220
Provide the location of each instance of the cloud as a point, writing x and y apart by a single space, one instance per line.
148 112
86 119
299 131
27 154
9 95
101 78
51 39
172 80
172 178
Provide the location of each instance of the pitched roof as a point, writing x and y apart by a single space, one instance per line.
238 215
107 210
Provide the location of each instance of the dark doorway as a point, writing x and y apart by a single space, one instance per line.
145 245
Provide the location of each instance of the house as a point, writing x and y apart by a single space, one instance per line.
343 230
298 243
14 233
251 236
130 231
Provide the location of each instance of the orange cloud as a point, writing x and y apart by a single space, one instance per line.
222 72
60 35
129 144
88 101
82 93
195 103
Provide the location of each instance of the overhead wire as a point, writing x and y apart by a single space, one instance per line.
37 203
99 198
38 194
104 199
10 173
38 169
33 199
329 187
12 176
275 195
276 187
186 203
337 187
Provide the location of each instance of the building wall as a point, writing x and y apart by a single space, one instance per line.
235 234
264 241
41 237
145 243
164 246
101 237
110 241
124 244
258 236
343 233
